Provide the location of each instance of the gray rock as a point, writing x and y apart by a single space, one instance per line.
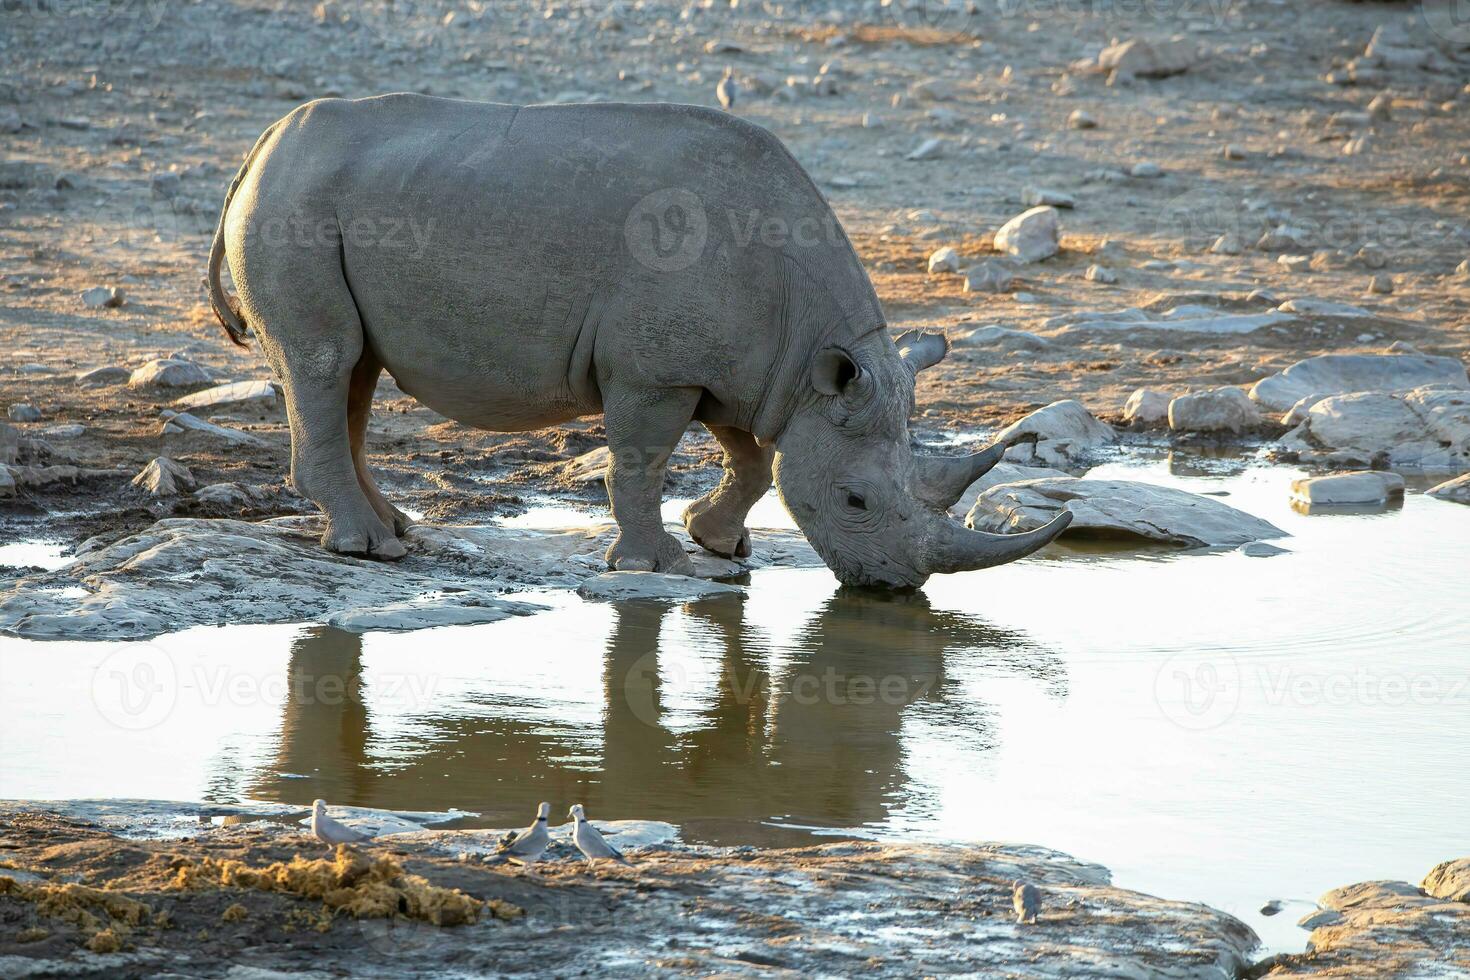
1449 880
401 617
987 277
99 297
1043 196
1097 273
166 185
1157 58
1260 549
613 586
1065 431
1426 428
1380 284
1030 236
1307 305
168 373
1457 490
1002 337
1297 414
1217 410
181 432
1146 170
1118 507
930 149
252 397
163 477
22 412
1000 474
103 377
1081 119
945 259
1147 405
1227 244
1319 919
590 467
63 433
1332 374
1358 488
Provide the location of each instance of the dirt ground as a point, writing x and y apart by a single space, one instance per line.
101 102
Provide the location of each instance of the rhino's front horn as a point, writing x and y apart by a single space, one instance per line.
955 548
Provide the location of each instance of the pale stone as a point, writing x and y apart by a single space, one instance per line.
1344 373
987 277
1037 196
163 477
1260 549
652 585
1227 244
103 377
930 149
1298 412
1449 880
1148 58
1147 405
1102 274
1003 337
946 259
1065 431
181 432
99 297
1217 410
1426 428
168 373
1002 473
1118 507
257 397
1358 487
1457 489
1081 119
1030 236
590 467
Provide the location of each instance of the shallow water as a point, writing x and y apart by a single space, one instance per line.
1210 726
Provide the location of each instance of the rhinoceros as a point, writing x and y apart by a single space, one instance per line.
515 267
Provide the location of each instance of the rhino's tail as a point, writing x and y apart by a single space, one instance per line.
227 309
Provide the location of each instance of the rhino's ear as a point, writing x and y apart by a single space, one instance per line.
834 372
920 349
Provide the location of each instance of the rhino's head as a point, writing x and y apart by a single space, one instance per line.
876 512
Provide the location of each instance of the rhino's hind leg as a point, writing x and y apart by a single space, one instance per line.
716 521
363 384
313 343
643 427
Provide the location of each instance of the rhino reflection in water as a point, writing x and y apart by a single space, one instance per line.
515 267
807 729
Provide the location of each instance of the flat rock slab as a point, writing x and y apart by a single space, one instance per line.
845 909
1337 374
189 572
1360 488
652 585
1427 428
1118 507
1457 490
256 397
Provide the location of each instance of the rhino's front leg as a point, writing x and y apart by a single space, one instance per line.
643 427
716 521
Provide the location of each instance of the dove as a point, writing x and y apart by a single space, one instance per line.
726 90
528 846
589 841
1026 900
329 831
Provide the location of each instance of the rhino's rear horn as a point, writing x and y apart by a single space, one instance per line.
940 481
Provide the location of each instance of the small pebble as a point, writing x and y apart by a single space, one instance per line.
1380 284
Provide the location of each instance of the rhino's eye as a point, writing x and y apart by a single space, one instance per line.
856 501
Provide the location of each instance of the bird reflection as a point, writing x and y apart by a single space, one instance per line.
805 730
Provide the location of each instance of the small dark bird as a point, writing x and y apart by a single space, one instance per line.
726 90
1026 900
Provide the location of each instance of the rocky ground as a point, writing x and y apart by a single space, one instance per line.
1224 188
135 889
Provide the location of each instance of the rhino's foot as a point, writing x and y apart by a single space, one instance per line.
661 554
715 531
364 540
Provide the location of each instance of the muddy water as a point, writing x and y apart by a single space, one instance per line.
1211 726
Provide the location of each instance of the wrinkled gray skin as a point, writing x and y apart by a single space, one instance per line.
503 265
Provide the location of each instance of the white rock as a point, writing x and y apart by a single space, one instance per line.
1146 169
1358 145
1310 306
1217 410
1284 238
1426 428
1098 273
257 397
164 478
1081 119
1463 269
168 373
1294 263
945 259
1359 487
1118 506
1065 433
99 297
1003 337
225 495
419 614
590 467
1044 196
1227 244
1343 373
103 377
1148 59
1298 412
181 432
1030 236
930 149
1457 489
652 585
987 277
1147 405
999 474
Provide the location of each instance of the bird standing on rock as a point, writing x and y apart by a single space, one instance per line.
725 91
528 846
1026 900
329 831
589 840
